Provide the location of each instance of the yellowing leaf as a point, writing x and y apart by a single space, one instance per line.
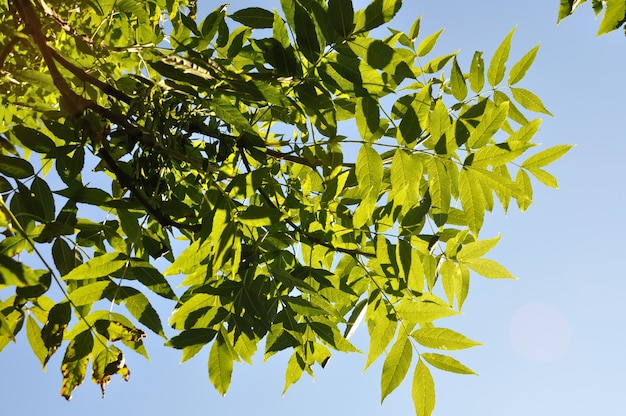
74 366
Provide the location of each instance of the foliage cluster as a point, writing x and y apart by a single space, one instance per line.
300 174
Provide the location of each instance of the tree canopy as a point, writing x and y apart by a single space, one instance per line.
298 172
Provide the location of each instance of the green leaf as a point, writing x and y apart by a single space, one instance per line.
139 306
368 118
220 365
369 173
446 363
306 35
428 43
472 200
43 195
544 177
439 188
442 339
150 277
457 82
396 365
423 312
381 331
6 330
52 332
522 180
15 273
614 16
377 13
232 115
477 249
33 332
256 216
423 390
497 66
74 366
91 293
490 124
567 7
190 258
406 173
341 14
294 370
414 32
191 341
34 139
545 157
15 167
529 101
477 72
100 266
254 17
488 268
521 67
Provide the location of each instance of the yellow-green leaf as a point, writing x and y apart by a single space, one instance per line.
428 43
442 339
396 365
99 266
446 363
488 268
497 66
529 101
220 365
33 332
477 72
423 390
521 67
545 157
422 312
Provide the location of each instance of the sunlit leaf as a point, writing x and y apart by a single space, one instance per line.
446 363
442 339
521 67
396 365
220 365
423 390
497 66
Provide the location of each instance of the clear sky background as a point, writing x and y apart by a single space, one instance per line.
554 340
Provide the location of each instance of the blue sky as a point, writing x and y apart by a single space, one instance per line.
553 339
